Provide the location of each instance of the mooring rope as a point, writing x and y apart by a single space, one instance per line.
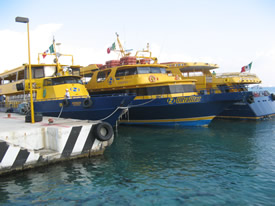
141 103
60 112
124 108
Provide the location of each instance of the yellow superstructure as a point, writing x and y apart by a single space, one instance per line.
207 79
49 82
139 79
140 74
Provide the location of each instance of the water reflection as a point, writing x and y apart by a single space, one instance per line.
161 166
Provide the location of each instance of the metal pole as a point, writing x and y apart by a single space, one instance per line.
30 76
26 20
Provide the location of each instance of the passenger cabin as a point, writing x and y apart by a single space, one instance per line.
145 80
209 80
14 84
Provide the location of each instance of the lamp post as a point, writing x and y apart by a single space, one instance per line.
26 20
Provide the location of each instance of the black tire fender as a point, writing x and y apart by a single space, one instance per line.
38 117
103 131
65 102
87 103
272 96
250 99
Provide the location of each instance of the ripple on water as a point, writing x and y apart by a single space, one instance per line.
231 162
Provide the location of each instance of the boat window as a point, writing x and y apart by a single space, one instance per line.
76 71
50 71
21 74
161 90
163 70
185 74
192 74
224 88
172 89
143 70
101 76
48 82
182 88
155 70
120 73
62 80
12 77
126 72
147 70
158 90
131 71
37 72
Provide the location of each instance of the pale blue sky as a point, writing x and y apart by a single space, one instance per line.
229 33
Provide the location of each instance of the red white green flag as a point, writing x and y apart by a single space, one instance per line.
111 48
247 68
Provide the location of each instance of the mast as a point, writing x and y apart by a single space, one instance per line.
121 50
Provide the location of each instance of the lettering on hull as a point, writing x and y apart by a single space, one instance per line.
182 100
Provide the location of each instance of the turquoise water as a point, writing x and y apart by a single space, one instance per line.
229 163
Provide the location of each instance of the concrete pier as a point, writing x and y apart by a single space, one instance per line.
25 145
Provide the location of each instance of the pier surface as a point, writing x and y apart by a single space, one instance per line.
26 145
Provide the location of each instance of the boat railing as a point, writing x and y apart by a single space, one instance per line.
235 74
2 105
260 93
114 94
8 106
84 96
60 98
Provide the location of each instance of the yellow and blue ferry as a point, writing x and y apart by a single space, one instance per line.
259 106
162 98
58 91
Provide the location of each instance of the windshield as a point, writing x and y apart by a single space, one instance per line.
148 70
62 80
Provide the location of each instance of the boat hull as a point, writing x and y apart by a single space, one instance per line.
103 108
263 106
197 110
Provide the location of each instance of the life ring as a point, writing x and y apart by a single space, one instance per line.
152 78
102 131
87 103
250 99
65 102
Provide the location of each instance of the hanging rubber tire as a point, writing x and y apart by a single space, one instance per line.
87 103
103 131
38 117
272 96
250 99
65 102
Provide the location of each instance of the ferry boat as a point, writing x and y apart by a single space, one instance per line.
59 92
162 98
259 106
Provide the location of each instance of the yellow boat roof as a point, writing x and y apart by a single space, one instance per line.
8 72
192 66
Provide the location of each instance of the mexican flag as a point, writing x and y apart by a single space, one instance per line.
51 48
112 48
45 54
246 68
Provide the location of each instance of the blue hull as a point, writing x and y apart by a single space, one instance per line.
183 111
105 108
262 107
